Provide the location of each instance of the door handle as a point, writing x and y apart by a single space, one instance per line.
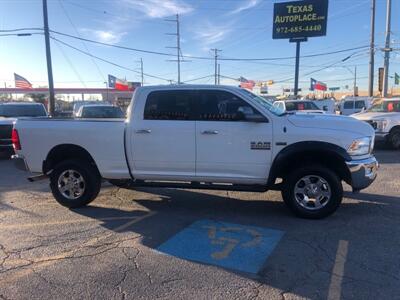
143 131
209 132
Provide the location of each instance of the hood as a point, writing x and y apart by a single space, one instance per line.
333 122
364 116
311 111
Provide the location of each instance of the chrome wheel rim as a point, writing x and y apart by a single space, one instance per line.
312 192
71 184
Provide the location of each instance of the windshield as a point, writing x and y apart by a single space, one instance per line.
265 103
102 112
386 106
22 110
300 105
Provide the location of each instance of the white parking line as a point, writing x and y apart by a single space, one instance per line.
335 287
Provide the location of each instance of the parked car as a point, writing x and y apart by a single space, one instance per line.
202 137
326 105
9 112
352 105
384 117
100 112
78 104
304 106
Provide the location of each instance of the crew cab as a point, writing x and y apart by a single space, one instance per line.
202 137
9 112
384 117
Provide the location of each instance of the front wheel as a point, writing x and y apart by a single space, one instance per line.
394 139
312 192
75 183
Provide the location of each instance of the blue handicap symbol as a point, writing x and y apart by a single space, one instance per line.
233 246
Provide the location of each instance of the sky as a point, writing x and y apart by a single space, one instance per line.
240 28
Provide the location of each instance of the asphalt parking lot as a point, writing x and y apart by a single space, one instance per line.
186 244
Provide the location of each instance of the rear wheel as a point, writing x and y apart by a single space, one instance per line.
312 192
394 139
75 183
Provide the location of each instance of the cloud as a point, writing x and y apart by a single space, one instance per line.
247 5
160 8
105 36
210 34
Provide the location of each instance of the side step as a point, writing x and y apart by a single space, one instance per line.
198 185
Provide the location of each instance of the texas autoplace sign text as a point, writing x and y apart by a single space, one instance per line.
299 19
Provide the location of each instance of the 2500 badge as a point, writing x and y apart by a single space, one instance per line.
260 146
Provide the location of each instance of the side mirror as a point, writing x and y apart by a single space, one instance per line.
325 108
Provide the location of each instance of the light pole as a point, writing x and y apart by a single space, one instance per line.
106 83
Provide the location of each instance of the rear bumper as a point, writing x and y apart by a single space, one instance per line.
363 172
19 162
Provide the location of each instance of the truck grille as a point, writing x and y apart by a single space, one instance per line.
373 124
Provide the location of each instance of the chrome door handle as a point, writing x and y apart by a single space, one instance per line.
209 132
143 131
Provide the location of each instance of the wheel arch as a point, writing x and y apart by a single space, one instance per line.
65 152
301 153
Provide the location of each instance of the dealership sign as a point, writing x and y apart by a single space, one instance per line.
300 19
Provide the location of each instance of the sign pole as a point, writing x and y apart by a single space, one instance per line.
297 66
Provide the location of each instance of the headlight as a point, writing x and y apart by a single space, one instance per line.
361 146
380 125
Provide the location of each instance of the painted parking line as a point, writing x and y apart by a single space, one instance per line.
233 246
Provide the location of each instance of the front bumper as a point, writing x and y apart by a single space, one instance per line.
363 172
19 162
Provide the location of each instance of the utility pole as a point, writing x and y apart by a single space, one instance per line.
372 51
387 49
178 46
219 74
141 70
48 58
355 93
216 65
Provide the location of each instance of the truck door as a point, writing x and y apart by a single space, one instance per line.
163 136
233 139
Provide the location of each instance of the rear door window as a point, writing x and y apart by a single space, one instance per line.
170 105
348 105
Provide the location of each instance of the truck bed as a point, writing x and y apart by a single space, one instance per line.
102 138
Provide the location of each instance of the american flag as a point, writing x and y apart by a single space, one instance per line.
21 82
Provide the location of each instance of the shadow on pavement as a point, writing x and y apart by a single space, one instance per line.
316 259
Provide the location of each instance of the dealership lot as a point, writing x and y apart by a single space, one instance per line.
168 243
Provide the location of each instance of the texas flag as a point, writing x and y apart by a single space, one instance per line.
118 84
317 85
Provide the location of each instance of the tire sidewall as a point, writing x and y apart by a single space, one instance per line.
90 176
330 177
393 135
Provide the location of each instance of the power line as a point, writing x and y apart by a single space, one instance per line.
199 78
106 61
210 58
83 43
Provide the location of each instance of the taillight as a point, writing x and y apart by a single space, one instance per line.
15 139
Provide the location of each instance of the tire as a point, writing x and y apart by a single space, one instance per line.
317 181
394 139
84 185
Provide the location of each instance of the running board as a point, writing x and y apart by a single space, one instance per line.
198 185
37 177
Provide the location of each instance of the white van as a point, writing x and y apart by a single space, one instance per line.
352 105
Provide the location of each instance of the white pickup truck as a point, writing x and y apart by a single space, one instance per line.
384 117
202 137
